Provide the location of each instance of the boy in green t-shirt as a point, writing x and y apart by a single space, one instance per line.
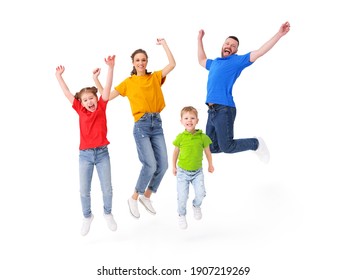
189 147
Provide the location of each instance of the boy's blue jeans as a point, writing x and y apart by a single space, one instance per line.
220 125
89 158
184 178
152 152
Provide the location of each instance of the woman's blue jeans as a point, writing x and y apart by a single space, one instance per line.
152 152
220 125
184 178
89 158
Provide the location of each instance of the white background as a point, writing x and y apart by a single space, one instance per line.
284 220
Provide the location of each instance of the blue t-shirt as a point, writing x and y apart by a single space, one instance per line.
223 72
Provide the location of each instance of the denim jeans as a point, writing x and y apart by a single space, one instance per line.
184 178
152 152
220 125
87 160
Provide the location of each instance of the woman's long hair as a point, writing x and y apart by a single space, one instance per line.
134 71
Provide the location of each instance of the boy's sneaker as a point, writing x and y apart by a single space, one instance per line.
133 205
182 222
262 151
112 225
147 204
86 225
197 212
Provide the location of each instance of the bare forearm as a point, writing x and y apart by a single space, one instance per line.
265 48
98 85
175 157
169 54
171 61
284 29
107 89
65 88
210 160
174 161
201 53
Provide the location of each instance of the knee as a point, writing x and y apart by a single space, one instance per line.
164 166
84 193
107 190
183 197
150 168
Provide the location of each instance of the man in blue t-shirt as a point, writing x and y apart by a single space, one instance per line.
223 72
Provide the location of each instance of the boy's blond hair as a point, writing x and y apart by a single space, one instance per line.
188 109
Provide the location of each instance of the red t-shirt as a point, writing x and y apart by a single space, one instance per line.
92 125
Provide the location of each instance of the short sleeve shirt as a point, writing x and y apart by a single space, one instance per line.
191 147
223 72
144 93
93 125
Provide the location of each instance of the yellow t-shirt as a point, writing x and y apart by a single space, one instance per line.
144 93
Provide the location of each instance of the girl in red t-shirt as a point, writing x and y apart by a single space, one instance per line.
93 150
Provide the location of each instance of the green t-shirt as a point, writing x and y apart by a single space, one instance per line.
191 147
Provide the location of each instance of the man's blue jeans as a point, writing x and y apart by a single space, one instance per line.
152 152
220 125
89 158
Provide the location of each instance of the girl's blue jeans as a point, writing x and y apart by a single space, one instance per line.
89 158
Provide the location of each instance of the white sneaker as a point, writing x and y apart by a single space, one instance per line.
182 222
133 205
147 204
262 151
197 212
86 225
112 225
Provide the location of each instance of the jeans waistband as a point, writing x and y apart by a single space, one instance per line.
96 148
151 114
214 106
189 171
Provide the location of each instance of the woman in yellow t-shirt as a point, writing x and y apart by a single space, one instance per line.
143 89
